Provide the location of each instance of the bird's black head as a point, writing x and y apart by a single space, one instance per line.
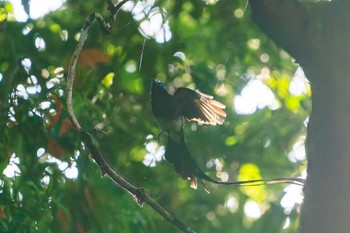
158 90
160 99
156 84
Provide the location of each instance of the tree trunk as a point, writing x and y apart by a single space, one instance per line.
318 37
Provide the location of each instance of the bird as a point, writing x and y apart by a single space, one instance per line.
171 111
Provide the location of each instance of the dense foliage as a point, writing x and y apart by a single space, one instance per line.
48 183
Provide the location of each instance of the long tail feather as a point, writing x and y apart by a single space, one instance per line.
179 156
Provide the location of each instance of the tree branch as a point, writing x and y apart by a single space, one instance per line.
139 194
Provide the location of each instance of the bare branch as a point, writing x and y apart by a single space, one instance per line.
139 194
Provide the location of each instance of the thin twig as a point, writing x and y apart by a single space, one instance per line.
139 194
141 56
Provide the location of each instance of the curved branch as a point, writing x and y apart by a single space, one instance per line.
139 194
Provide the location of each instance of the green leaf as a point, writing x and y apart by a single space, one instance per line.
107 81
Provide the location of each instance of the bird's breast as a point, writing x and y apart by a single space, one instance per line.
173 127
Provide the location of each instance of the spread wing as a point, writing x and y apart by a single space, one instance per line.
197 106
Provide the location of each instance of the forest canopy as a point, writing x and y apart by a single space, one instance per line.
48 181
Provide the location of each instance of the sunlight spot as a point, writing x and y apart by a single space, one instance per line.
221 90
299 84
252 209
61 93
306 121
265 72
141 9
12 170
64 35
210 216
11 114
218 165
45 105
180 55
253 44
38 8
151 146
255 95
33 89
220 72
52 82
45 73
156 27
211 2
27 29
32 80
27 64
51 159
264 57
130 66
45 180
231 204
20 196
59 72
267 143
224 176
18 11
21 92
153 23
71 172
294 195
286 223
298 152
62 165
77 36
40 152
52 112
40 44
155 153
238 13
210 163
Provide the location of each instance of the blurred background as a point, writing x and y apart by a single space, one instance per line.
48 182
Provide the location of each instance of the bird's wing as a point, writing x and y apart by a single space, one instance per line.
197 106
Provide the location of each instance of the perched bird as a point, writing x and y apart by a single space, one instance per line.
170 113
